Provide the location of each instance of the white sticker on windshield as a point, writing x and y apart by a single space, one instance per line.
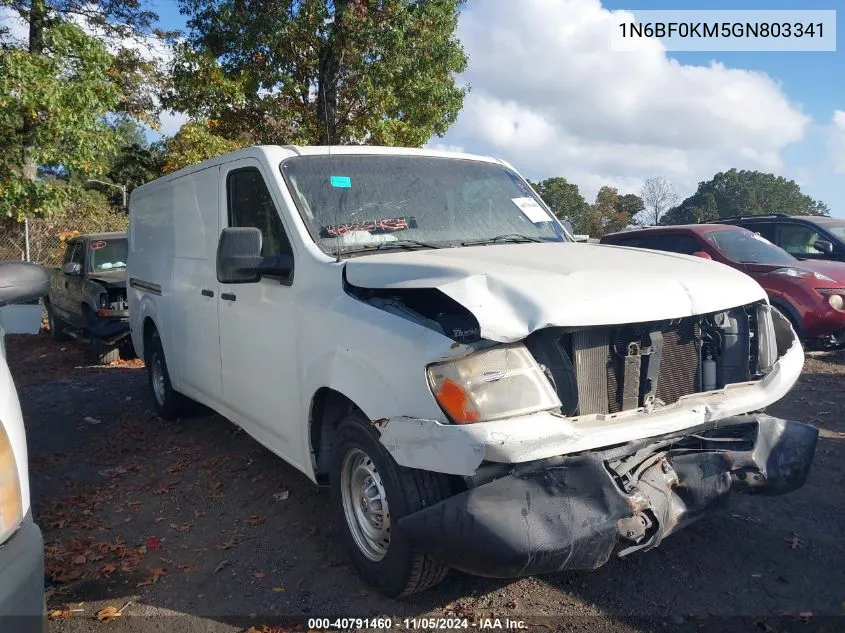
757 236
531 209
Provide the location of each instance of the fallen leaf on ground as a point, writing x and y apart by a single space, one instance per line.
108 569
227 544
188 567
60 613
153 543
259 574
79 560
255 520
222 565
156 574
107 614
278 589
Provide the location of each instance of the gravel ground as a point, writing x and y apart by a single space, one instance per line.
193 526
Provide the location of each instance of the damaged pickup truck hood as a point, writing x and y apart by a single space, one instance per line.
515 289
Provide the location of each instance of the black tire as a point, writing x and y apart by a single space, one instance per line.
57 326
104 354
403 570
169 403
127 349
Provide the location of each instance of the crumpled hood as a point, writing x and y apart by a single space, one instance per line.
515 289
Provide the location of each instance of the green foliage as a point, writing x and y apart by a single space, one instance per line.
56 90
565 201
318 71
193 143
61 97
734 192
609 212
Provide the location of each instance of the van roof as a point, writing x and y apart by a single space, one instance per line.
277 153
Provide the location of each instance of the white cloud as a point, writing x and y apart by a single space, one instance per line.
18 28
549 95
837 141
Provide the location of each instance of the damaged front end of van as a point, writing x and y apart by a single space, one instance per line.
575 443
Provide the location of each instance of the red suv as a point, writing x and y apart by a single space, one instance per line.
810 293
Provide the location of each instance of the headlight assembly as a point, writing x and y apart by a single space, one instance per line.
496 383
11 502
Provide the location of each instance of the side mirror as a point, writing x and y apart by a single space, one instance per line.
239 259
824 246
72 268
702 254
21 282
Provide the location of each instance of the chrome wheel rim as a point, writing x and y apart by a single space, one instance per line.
157 370
365 505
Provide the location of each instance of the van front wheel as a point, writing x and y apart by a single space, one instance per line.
370 493
170 404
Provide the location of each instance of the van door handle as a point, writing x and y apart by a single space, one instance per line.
228 296
207 293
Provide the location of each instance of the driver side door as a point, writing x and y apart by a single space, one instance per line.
258 321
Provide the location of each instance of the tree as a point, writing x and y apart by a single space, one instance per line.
608 213
321 71
193 143
564 199
630 204
56 87
658 196
734 192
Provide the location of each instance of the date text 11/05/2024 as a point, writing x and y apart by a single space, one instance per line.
721 29
428 624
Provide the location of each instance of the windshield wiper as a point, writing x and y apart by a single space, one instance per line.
511 237
405 244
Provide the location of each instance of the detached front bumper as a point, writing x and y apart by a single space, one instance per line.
110 330
574 512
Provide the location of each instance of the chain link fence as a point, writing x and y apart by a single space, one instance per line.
42 241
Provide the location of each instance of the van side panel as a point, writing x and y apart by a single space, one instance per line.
196 343
150 262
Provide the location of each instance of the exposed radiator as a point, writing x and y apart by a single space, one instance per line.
609 382
590 350
679 367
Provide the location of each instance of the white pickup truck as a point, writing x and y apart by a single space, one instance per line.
415 329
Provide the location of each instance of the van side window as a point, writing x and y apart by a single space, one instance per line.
250 204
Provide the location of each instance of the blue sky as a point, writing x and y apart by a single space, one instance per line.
810 83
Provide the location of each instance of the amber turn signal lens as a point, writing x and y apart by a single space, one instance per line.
455 400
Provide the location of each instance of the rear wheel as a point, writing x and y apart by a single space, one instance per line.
56 325
170 404
370 494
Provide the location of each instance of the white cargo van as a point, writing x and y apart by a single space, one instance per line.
415 329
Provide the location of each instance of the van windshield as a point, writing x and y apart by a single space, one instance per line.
354 203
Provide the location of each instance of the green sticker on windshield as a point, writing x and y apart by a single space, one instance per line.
343 182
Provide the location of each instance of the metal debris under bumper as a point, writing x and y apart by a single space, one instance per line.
574 512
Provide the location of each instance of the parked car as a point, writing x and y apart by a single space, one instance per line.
22 607
87 298
810 293
802 236
478 391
